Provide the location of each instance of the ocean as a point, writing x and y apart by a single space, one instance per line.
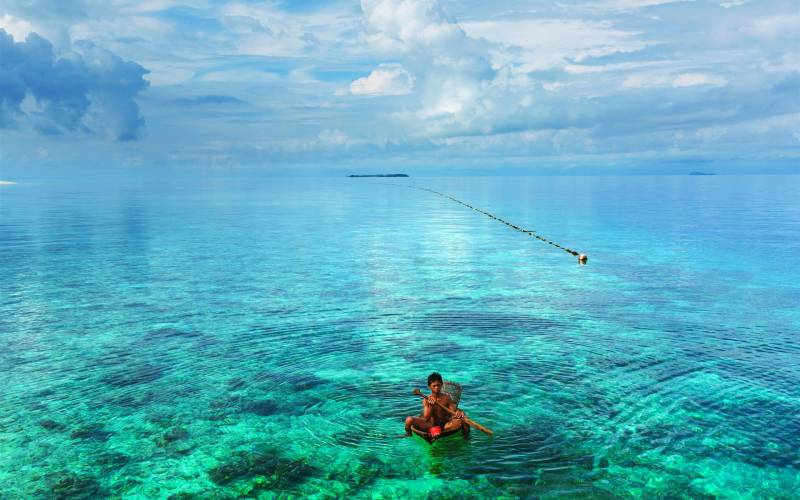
222 337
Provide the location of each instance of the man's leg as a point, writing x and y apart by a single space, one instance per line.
453 425
418 423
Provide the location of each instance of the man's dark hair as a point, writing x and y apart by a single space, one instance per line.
434 377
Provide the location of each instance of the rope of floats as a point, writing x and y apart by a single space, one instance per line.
582 258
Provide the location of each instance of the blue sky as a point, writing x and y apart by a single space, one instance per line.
641 86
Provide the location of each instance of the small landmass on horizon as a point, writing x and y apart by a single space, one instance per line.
378 175
702 173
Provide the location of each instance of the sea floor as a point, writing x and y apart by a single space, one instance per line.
262 339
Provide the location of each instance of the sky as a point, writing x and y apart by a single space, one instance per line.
422 86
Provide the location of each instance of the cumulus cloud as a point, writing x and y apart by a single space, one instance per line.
88 90
455 74
404 24
467 78
18 28
585 77
387 79
480 79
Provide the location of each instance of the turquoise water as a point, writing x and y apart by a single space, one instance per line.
218 338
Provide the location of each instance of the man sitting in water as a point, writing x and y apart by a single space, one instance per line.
435 419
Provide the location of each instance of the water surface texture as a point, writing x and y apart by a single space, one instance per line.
259 337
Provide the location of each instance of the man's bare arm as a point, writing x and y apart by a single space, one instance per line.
453 406
427 409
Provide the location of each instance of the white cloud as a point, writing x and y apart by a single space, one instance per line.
237 75
333 137
583 69
776 27
633 4
645 81
263 29
650 80
479 77
18 28
152 6
459 89
387 79
408 22
692 79
266 44
731 3
138 37
548 43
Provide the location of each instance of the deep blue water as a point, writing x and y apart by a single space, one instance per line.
249 336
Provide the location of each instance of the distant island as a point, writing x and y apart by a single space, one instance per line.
701 173
378 175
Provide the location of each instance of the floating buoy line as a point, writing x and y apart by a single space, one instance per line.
582 258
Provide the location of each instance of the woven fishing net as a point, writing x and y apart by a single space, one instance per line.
453 389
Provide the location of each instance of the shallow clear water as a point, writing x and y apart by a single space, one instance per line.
227 337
